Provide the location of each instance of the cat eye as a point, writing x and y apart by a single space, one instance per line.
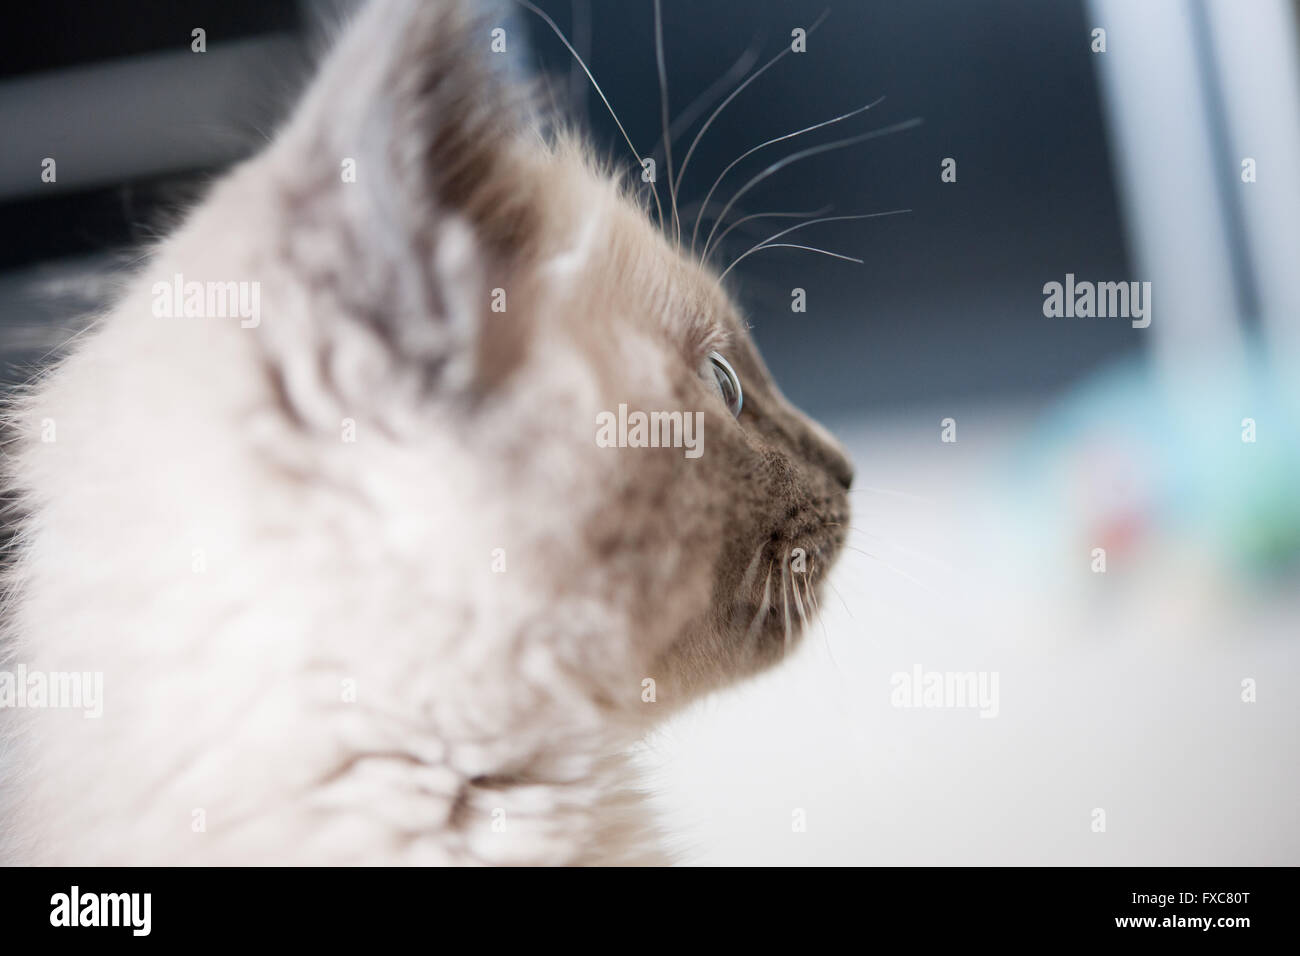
728 383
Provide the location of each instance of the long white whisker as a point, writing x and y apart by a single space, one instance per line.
790 245
663 109
768 243
770 215
596 86
681 173
710 95
813 222
830 584
695 207
763 610
798 602
891 566
785 602
815 151
910 552
747 579
711 213
704 253
815 604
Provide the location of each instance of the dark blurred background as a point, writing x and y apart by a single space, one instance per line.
946 305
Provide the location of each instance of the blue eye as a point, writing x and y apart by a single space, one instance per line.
728 383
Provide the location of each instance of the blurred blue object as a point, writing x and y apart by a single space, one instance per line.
1131 460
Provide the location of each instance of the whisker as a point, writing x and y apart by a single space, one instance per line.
798 603
710 95
697 207
681 173
811 592
711 213
765 215
830 584
663 109
785 602
910 552
704 253
815 221
789 245
764 609
596 86
780 164
769 244
751 569
897 570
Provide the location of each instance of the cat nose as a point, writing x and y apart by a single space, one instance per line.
835 460
822 448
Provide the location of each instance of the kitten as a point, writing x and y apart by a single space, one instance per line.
362 584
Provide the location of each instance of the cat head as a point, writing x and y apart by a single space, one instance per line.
580 396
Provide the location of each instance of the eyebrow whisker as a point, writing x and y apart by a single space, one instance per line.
604 99
768 215
750 152
681 173
815 151
710 96
769 244
787 245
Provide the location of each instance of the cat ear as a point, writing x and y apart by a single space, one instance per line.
412 144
